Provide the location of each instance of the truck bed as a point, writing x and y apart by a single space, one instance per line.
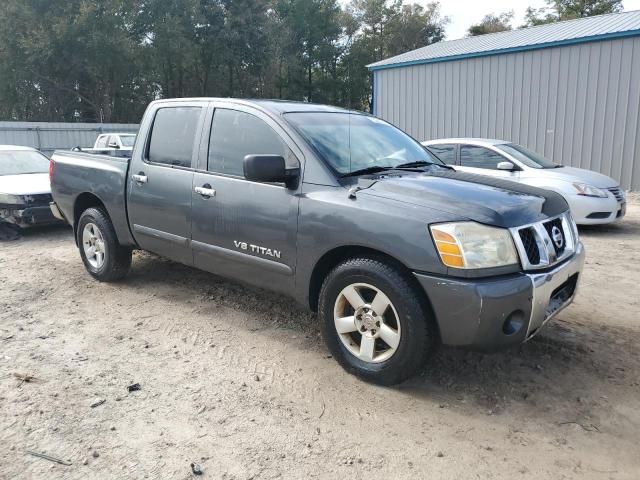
111 152
80 177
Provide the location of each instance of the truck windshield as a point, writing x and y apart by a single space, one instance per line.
351 142
529 158
17 162
128 140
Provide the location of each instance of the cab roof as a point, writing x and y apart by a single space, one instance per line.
469 141
277 107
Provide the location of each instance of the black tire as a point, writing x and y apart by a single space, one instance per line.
117 259
418 336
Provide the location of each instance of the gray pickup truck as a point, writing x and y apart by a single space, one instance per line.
396 251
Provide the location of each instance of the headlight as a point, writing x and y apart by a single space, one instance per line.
473 245
589 191
8 199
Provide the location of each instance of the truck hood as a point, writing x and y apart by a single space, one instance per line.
30 184
572 174
483 199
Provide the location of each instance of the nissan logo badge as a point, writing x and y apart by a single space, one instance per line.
556 236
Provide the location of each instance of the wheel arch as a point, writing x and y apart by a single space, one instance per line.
335 256
83 202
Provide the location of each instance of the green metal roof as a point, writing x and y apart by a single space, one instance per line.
602 27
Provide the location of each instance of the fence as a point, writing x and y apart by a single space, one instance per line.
48 137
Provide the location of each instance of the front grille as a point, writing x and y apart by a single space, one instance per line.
528 237
39 200
536 246
556 234
618 193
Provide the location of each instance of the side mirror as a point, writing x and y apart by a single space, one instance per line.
505 166
113 145
269 169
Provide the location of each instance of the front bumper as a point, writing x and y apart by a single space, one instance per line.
25 216
596 211
494 313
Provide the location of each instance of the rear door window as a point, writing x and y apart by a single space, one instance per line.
235 134
173 136
479 157
446 153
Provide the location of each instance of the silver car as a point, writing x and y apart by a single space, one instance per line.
593 198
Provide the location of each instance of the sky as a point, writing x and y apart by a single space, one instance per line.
464 13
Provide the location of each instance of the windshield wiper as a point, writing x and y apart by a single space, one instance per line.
423 163
420 163
364 171
403 166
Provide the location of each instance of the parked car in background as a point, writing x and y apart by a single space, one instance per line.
113 144
25 192
119 141
594 198
340 210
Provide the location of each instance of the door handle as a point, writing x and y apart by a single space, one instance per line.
206 191
140 178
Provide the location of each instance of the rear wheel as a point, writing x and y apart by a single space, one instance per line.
374 321
103 257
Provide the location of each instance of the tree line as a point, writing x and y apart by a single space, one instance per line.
105 60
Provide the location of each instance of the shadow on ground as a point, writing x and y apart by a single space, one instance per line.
569 364
626 226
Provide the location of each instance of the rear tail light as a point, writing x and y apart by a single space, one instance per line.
52 167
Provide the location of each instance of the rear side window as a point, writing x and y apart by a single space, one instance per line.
446 153
234 135
173 135
479 157
102 141
128 140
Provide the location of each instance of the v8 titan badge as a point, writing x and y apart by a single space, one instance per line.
249 247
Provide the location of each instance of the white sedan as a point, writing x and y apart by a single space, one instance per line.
593 198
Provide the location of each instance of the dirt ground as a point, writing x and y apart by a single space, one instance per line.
238 381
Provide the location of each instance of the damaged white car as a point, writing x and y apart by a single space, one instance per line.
25 192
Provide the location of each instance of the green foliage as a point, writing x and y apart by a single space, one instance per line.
65 59
104 60
558 10
383 30
491 24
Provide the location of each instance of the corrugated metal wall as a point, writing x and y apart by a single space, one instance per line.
578 105
48 137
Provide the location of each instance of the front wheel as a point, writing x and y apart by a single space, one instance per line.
103 257
375 321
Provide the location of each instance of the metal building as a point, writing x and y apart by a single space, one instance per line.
48 137
569 90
